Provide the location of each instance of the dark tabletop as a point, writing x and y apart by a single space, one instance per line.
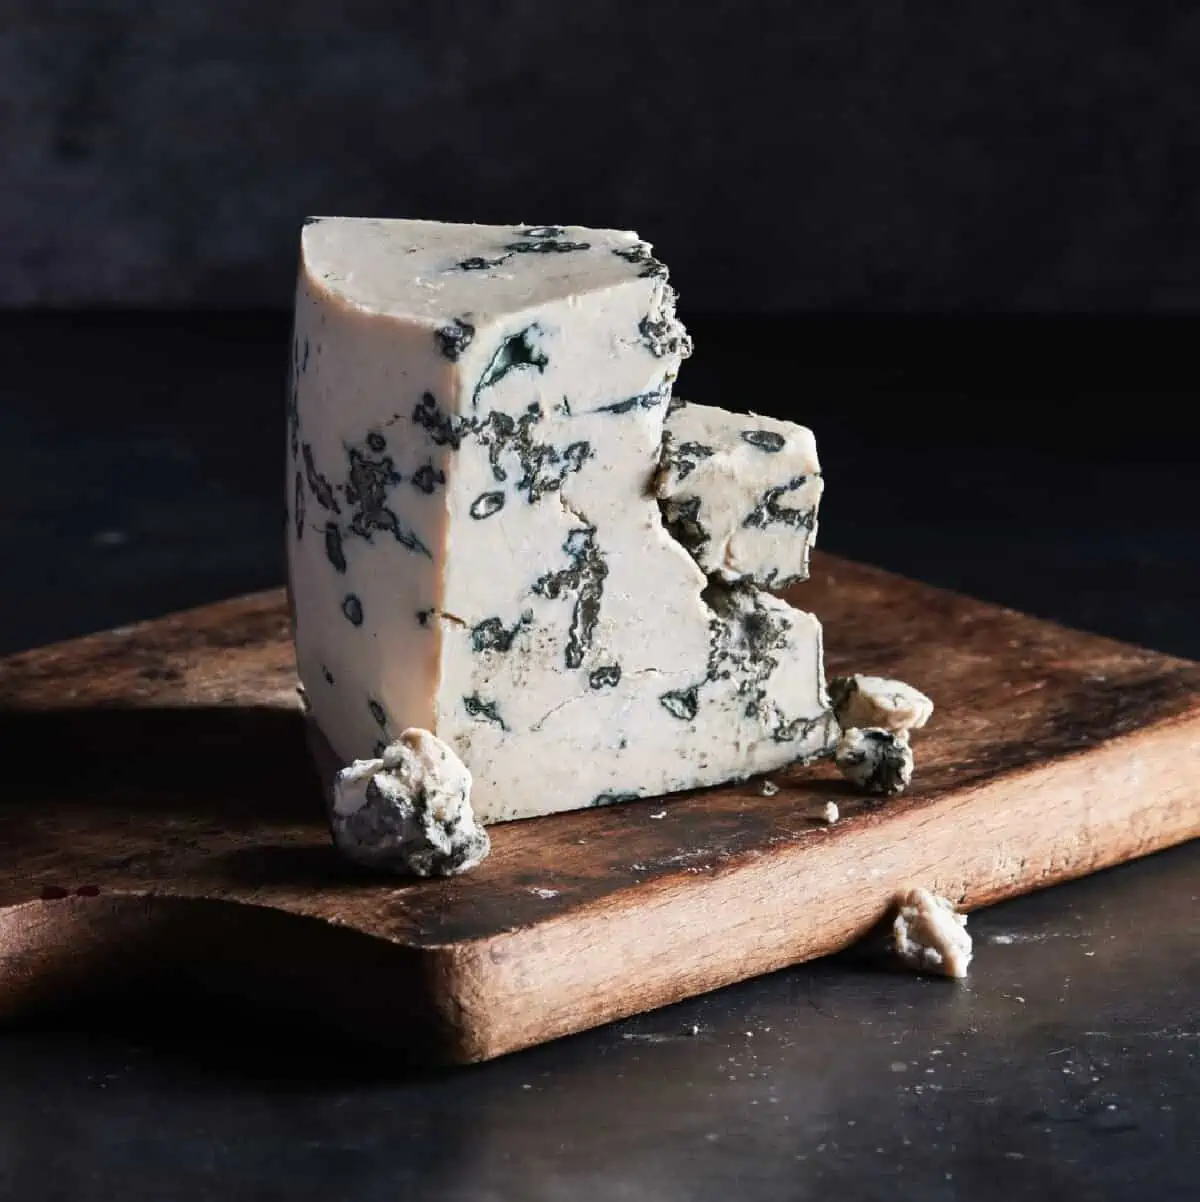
1051 467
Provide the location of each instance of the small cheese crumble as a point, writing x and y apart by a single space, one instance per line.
874 759
829 813
929 935
767 788
875 701
409 811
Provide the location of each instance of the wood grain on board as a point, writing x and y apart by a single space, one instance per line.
161 828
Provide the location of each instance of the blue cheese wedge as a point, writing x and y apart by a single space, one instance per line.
409 810
930 936
475 425
741 492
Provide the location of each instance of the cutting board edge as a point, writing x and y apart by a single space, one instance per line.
470 998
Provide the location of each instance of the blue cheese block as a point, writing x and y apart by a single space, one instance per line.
475 422
740 492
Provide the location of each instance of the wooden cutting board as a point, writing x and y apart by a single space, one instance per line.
161 828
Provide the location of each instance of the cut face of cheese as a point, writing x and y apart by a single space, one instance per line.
475 547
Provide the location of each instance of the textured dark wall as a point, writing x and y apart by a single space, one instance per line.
782 154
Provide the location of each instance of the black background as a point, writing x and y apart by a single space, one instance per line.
832 155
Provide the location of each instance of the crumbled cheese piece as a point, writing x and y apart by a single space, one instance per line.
475 548
929 935
875 760
767 788
409 810
861 701
829 813
740 492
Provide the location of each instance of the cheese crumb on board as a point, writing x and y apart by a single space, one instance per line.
929 935
477 419
409 810
829 813
875 760
875 701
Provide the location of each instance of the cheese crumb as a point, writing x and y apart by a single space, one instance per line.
929 935
767 788
875 701
830 813
409 811
874 759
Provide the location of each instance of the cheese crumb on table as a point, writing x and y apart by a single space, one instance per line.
409 810
875 701
929 935
875 760
829 813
